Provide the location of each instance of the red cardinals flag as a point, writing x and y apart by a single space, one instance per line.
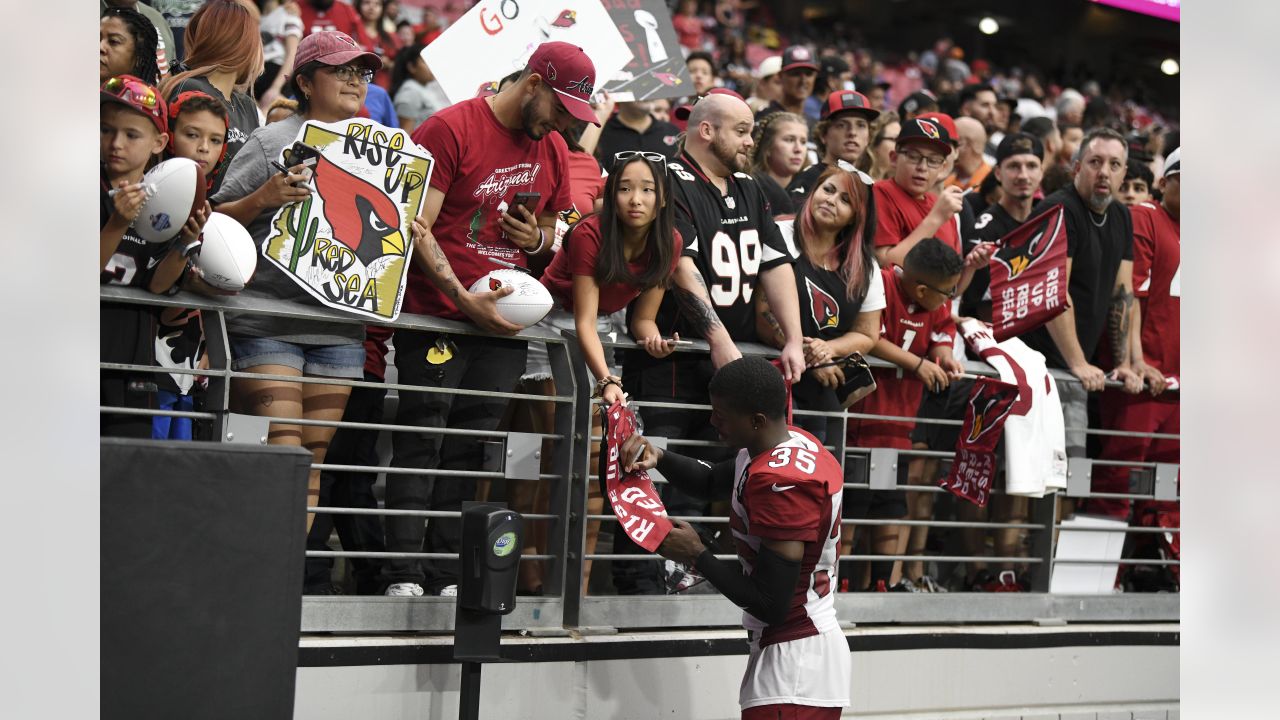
1029 275
974 466
635 501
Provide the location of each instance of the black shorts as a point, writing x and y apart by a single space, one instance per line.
864 503
946 405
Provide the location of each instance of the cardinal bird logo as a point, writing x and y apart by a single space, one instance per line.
567 19
988 406
1018 258
668 79
928 128
824 308
362 216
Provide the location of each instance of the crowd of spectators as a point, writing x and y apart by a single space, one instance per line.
820 200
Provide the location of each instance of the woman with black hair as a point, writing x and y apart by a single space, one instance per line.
127 46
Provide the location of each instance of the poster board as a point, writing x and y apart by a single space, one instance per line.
657 68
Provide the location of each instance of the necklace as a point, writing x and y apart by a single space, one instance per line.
1095 222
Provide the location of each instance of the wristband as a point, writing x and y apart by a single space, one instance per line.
918 365
605 382
542 242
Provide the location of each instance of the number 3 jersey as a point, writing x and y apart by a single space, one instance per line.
732 239
792 492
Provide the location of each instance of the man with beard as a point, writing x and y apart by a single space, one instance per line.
486 150
731 246
799 73
1099 281
322 15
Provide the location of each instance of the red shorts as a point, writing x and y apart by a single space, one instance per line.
791 712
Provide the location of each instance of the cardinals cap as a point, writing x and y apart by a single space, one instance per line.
849 101
567 70
1019 144
945 122
796 57
925 131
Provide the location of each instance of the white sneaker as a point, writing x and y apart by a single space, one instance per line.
446 591
404 590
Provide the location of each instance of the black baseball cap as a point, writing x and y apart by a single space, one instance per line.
849 101
925 131
833 65
1019 144
796 57
917 103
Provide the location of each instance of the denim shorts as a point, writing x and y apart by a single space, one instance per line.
538 363
338 361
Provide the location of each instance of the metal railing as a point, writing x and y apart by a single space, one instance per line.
565 603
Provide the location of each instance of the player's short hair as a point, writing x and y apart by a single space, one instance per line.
751 385
932 258
1139 170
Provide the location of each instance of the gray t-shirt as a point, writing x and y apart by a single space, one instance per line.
241 110
250 169
419 102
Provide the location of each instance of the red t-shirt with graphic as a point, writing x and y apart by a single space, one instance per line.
341 17
898 214
578 257
479 166
898 392
1157 282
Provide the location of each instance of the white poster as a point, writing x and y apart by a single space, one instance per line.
496 38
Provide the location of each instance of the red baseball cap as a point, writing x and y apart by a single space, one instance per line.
138 96
333 48
567 70
946 122
849 101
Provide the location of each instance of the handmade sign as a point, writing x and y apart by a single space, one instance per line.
349 243
641 514
496 38
657 68
974 467
1029 275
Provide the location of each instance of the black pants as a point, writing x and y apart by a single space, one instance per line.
478 363
362 533
681 378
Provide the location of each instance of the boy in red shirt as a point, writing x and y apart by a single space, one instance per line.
916 334
906 212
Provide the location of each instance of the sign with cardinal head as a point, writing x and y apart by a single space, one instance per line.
974 468
349 243
1029 275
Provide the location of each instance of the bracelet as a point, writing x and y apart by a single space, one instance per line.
542 242
917 369
605 382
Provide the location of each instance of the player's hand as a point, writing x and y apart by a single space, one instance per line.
792 361
521 227
658 347
637 445
1132 380
482 308
723 353
682 544
817 351
128 201
282 189
1090 376
1154 379
950 201
828 377
933 376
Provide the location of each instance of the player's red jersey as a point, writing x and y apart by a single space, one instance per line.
1157 282
917 331
792 492
898 215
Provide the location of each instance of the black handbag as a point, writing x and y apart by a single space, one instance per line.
858 380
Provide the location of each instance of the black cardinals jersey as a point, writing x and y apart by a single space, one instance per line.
992 224
732 238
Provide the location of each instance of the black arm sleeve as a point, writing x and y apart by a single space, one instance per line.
766 593
695 477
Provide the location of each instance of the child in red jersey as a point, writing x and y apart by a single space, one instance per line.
916 334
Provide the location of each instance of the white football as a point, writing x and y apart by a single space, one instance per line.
228 256
529 303
175 189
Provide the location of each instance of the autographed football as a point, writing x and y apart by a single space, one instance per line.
526 305
175 190
228 255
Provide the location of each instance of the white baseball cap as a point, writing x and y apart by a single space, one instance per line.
1173 163
769 66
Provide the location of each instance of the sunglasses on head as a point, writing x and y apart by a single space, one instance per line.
650 156
131 91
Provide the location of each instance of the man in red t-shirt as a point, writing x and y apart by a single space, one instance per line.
486 151
1157 283
322 15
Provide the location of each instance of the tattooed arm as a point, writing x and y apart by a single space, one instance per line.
480 307
767 325
695 303
1123 318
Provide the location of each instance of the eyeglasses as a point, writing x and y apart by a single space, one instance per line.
948 294
347 73
650 156
132 92
914 158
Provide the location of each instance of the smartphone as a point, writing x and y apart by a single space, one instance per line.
677 343
528 199
301 153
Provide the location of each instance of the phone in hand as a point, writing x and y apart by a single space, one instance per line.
677 342
528 199
301 153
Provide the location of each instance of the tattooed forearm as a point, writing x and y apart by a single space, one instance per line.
702 319
776 326
441 271
1118 317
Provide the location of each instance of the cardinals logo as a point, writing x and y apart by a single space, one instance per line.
567 19
362 216
824 308
495 284
989 405
929 129
667 79
1018 258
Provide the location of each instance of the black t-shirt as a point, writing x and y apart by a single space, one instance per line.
128 331
779 200
242 112
732 239
774 106
615 137
991 225
1096 253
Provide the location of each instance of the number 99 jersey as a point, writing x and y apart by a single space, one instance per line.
732 239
